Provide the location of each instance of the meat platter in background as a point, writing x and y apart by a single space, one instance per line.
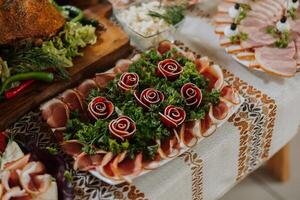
262 35
141 115
24 88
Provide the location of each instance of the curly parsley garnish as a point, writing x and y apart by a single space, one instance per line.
172 15
239 37
149 127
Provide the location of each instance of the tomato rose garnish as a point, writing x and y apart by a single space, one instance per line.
173 116
149 97
128 81
169 69
100 108
122 128
192 94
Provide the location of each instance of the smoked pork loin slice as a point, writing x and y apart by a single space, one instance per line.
279 61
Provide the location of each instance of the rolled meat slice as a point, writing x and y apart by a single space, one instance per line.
87 162
56 113
215 76
72 147
169 148
202 64
102 79
152 164
122 66
187 135
229 94
278 61
219 112
207 126
85 88
73 100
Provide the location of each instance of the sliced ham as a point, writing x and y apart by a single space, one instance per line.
56 113
229 94
103 79
187 135
152 164
278 61
207 126
72 147
169 148
85 88
256 37
219 112
295 25
87 162
214 75
256 22
73 100
202 64
122 66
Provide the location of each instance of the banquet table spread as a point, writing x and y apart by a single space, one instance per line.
267 121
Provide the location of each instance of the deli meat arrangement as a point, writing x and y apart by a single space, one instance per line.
262 34
150 109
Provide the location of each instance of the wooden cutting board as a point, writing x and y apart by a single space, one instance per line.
112 45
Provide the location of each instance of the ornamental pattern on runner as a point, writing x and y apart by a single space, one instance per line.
255 121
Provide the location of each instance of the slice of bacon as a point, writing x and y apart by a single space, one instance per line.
215 76
33 178
16 194
102 79
230 94
122 66
72 147
207 126
187 135
73 100
85 88
56 113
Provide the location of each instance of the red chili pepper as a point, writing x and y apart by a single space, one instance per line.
9 94
3 142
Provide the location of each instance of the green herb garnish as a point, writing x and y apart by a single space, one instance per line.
149 127
52 150
172 15
68 175
292 13
239 37
283 37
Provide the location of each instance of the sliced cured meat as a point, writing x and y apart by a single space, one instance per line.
122 66
152 164
72 99
72 147
219 112
255 22
17 164
260 16
229 94
187 135
295 25
164 47
257 37
106 170
277 61
85 88
202 64
56 113
223 18
169 148
87 162
207 126
215 76
276 9
225 6
259 7
103 79
15 193
33 179
125 167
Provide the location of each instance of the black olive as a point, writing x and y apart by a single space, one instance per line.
294 1
237 6
283 19
233 26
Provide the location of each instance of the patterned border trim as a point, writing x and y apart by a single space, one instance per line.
255 120
196 164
